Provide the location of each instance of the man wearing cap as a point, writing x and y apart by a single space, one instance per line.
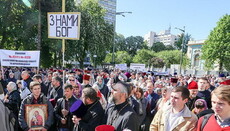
94 114
61 110
174 82
193 89
222 77
120 114
85 83
176 117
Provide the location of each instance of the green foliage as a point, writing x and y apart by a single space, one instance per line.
172 57
178 44
96 36
133 44
158 46
108 58
15 32
157 62
120 43
143 56
217 47
121 57
169 47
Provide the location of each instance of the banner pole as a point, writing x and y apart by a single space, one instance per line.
2 72
63 49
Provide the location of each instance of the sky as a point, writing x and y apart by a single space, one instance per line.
198 16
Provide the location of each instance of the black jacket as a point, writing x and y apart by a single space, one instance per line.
92 118
121 117
14 102
29 100
58 114
191 103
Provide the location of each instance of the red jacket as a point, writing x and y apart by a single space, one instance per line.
211 125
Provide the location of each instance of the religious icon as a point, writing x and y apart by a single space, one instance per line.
36 115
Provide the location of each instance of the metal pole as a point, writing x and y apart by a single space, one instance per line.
182 48
114 30
113 55
39 25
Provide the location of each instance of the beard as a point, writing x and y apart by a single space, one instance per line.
111 99
193 95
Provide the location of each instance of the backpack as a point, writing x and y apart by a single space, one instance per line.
205 120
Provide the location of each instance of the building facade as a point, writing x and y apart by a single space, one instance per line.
164 36
194 54
110 7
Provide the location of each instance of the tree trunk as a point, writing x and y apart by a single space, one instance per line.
221 67
55 59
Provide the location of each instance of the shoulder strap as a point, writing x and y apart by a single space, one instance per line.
205 120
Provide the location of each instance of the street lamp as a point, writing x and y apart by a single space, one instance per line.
122 14
95 56
182 46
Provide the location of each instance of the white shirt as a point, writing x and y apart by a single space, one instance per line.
172 119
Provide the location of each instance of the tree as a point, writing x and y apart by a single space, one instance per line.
172 57
178 44
217 47
15 32
169 47
121 57
143 56
158 46
157 62
96 35
120 44
133 44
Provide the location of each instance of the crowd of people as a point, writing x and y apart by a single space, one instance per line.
89 100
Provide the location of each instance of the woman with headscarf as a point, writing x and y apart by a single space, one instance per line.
23 89
99 84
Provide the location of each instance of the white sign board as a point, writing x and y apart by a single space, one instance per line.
20 58
121 66
64 25
138 67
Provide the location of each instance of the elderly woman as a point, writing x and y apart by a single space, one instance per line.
99 84
23 89
12 99
36 97
164 102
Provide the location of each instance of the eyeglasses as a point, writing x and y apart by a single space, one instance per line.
71 80
199 106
